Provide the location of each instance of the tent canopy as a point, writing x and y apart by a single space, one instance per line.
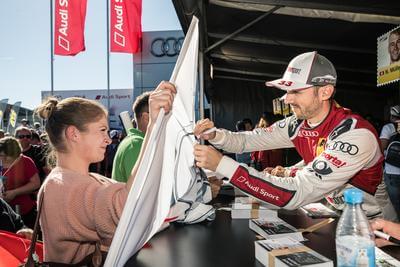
247 42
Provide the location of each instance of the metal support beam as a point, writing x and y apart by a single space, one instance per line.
274 75
248 58
227 77
279 42
241 29
253 73
362 6
279 62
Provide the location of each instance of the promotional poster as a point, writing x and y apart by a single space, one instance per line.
388 57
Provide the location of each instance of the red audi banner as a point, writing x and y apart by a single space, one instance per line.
69 21
126 25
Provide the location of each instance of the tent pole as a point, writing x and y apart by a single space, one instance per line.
201 79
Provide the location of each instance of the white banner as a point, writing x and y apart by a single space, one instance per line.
149 200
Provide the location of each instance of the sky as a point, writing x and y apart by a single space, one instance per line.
25 50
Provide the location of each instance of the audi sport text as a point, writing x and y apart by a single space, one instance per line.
120 19
64 18
261 191
118 34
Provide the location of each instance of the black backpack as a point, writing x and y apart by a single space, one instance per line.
393 151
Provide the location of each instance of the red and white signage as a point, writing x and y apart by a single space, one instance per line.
125 25
69 20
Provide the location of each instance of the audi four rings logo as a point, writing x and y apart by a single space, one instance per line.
344 147
309 133
166 46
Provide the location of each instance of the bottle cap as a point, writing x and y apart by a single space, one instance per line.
353 196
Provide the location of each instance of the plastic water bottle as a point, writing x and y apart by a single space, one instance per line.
355 244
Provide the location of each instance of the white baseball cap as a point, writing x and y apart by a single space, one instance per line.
306 70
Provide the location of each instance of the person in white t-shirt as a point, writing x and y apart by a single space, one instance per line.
392 173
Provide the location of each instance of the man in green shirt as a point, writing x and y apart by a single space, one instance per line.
128 150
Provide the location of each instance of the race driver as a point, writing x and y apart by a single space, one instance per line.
339 149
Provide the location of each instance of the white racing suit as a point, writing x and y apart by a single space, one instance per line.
342 151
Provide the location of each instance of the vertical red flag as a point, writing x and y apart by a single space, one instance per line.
69 20
126 25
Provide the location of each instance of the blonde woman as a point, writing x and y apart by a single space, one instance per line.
81 210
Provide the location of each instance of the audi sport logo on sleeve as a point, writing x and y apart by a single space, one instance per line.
344 147
166 46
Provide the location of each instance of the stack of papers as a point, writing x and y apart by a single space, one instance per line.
249 208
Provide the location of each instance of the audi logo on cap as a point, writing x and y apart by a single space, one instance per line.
170 46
